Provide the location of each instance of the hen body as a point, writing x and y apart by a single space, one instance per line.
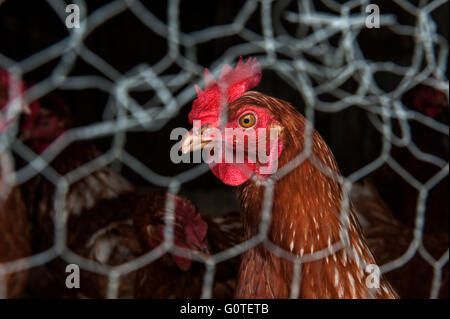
97 201
82 196
389 239
111 238
94 202
14 238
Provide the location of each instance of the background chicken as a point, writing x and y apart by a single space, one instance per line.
14 226
131 225
432 147
306 208
86 199
389 239
173 276
102 207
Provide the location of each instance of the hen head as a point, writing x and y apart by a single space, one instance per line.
47 121
189 228
239 133
426 99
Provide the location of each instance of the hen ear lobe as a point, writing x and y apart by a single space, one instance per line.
278 127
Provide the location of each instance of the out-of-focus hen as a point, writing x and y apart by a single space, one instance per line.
389 239
14 226
173 276
14 236
45 123
105 235
130 225
87 198
430 146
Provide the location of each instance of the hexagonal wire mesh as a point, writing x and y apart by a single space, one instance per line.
276 50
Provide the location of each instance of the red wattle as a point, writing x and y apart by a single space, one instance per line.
183 263
233 174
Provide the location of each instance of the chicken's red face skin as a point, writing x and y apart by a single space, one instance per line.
248 141
46 122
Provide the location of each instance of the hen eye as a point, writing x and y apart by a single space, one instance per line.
247 120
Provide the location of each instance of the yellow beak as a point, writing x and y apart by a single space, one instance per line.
196 139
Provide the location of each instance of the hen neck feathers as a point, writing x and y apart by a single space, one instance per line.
307 217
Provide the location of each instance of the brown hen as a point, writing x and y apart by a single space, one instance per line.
307 211
173 276
87 201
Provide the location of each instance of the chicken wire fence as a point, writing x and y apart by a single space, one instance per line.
276 50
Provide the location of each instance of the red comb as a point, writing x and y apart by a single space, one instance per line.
188 216
232 83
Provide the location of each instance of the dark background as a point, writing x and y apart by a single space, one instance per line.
26 27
